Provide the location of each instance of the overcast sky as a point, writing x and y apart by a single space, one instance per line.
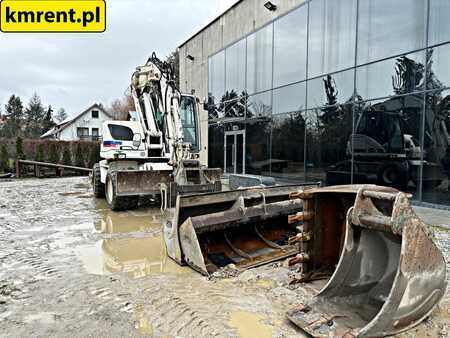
75 70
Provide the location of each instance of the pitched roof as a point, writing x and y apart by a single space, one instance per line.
68 121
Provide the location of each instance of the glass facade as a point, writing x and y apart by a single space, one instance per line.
339 91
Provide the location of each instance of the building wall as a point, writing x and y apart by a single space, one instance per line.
337 91
84 121
245 17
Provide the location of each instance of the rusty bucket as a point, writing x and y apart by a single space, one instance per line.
389 277
247 227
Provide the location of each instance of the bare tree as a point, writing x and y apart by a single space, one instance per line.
121 107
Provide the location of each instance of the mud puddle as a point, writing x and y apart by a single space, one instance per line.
71 267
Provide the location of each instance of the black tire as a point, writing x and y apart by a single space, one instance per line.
118 203
97 185
393 175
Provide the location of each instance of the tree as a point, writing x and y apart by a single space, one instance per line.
34 115
14 117
4 158
67 159
19 149
48 122
121 107
39 153
174 61
61 115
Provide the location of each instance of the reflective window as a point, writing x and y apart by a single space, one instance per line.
259 60
217 76
290 98
436 171
390 77
331 89
386 145
328 133
387 28
259 105
290 41
288 137
118 132
332 36
235 67
438 61
439 26
257 147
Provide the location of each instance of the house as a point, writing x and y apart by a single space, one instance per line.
85 126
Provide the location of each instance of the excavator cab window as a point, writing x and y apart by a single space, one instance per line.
120 133
188 115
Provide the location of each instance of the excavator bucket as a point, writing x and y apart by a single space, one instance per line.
389 277
247 227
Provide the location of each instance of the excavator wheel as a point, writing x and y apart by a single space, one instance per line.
98 186
118 203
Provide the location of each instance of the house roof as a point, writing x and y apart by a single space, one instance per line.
210 23
68 121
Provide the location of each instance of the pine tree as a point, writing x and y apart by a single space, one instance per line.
14 117
79 159
48 122
53 155
67 159
39 153
34 116
4 159
19 149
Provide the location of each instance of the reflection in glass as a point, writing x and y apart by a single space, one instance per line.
386 142
331 89
257 147
288 136
290 98
387 28
290 41
436 171
328 132
259 60
259 105
217 76
438 67
391 77
235 67
216 145
439 27
332 36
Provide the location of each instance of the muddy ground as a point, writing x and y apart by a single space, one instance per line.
71 267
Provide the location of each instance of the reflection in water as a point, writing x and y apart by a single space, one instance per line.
138 257
249 325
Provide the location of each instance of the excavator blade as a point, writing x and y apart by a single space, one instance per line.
140 182
247 227
389 277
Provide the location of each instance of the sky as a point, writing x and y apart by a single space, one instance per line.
73 71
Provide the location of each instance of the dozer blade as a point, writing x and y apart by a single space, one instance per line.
140 182
248 227
389 277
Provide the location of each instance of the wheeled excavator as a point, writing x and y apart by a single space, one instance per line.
157 151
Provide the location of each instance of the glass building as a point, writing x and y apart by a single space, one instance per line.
348 91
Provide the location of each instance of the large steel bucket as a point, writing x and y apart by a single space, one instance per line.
389 277
248 227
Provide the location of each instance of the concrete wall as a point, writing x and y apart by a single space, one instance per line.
237 22
85 121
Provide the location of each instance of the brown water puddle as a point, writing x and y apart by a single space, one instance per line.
138 257
249 325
